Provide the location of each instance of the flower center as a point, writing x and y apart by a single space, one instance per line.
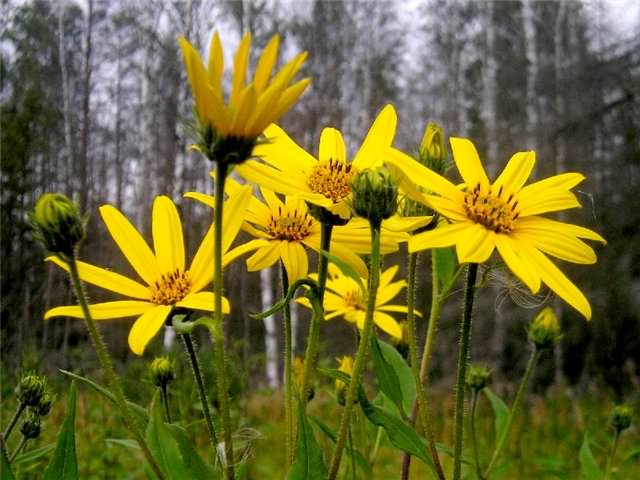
292 226
171 288
353 298
331 179
491 210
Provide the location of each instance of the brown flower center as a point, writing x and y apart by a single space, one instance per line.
353 298
331 179
491 210
171 288
290 225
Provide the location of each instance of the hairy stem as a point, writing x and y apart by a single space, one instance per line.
288 359
14 420
612 454
164 389
23 442
474 438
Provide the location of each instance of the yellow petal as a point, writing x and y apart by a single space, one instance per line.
201 269
546 224
564 181
246 105
446 207
216 64
266 63
240 64
266 256
250 246
131 243
350 258
262 114
389 292
399 224
387 275
289 97
233 215
203 301
441 236
168 240
548 201
476 246
103 311
387 324
468 163
198 80
509 252
282 152
275 180
559 245
515 174
146 327
295 261
332 146
208 200
378 139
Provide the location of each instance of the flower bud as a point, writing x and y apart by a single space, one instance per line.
30 390
298 375
544 329
346 366
375 194
620 417
477 377
58 224
432 152
162 372
30 428
44 406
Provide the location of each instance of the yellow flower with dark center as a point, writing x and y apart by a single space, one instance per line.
323 181
344 298
251 107
505 215
169 283
289 230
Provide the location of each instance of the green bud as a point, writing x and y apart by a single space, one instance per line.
44 406
544 329
58 224
477 377
620 417
162 371
30 390
30 428
432 152
375 194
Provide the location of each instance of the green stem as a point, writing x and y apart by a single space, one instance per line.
288 378
474 438
463 359
423 413
204 400
109 371
612 454
216 329
14 420
376 446
363 348
353 457
314 330
533 359
164 389
23 442
434 316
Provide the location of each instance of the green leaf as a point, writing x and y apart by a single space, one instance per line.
196 465
346 269
124 442
394 375
500 412
359 458
633 451
63 465
588 465
445 259
308 463
138 410
5 468
32 456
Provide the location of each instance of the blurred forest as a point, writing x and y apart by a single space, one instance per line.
95 104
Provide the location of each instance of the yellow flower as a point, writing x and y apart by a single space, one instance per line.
288 230
323 181
343 297
505 215
168 283
251 107
345 366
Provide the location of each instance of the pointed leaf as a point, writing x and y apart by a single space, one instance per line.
32 456
346 269
63 465
196 465
324 428
634 451
5 468
308 463
588 465
500 412
394 375
445 259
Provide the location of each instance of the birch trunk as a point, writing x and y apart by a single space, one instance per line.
83 167
531 52
66 103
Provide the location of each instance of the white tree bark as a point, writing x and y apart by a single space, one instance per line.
531 52
270 339
66 103
490 88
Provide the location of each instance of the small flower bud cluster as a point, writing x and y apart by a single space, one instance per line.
31 426
477 377
58 224
375 195
544 330
346 366
32 391
162 372
620 417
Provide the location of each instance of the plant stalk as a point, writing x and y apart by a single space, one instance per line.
612 454
363 348
109 371
463 359
23 442
164 389
14 420
474 438
288 378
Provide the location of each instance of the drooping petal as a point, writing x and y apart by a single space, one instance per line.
441 236
468 163
332 146
282 152
547 225
146 327
168 240
559 245
387 324
265 256
378 139
106 279
203 301
131 243
509 252
515 174
295 261
476 246
103 311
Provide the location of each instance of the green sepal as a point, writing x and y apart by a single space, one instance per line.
63 465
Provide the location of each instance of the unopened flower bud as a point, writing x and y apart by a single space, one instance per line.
620 417
432 152
44 406
30 428
58 224
30 390
544 329
162 371
346 366
477 377
375 194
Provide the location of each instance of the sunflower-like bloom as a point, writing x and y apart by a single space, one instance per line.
323 181
344 297
505 215
288 230
169 283
251 107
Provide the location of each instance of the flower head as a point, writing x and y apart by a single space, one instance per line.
375 194
31 389
162 371
345 366
505 215
169 284
229 130
544 329
58 224
620 417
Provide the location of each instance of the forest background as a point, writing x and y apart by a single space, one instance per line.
95 104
